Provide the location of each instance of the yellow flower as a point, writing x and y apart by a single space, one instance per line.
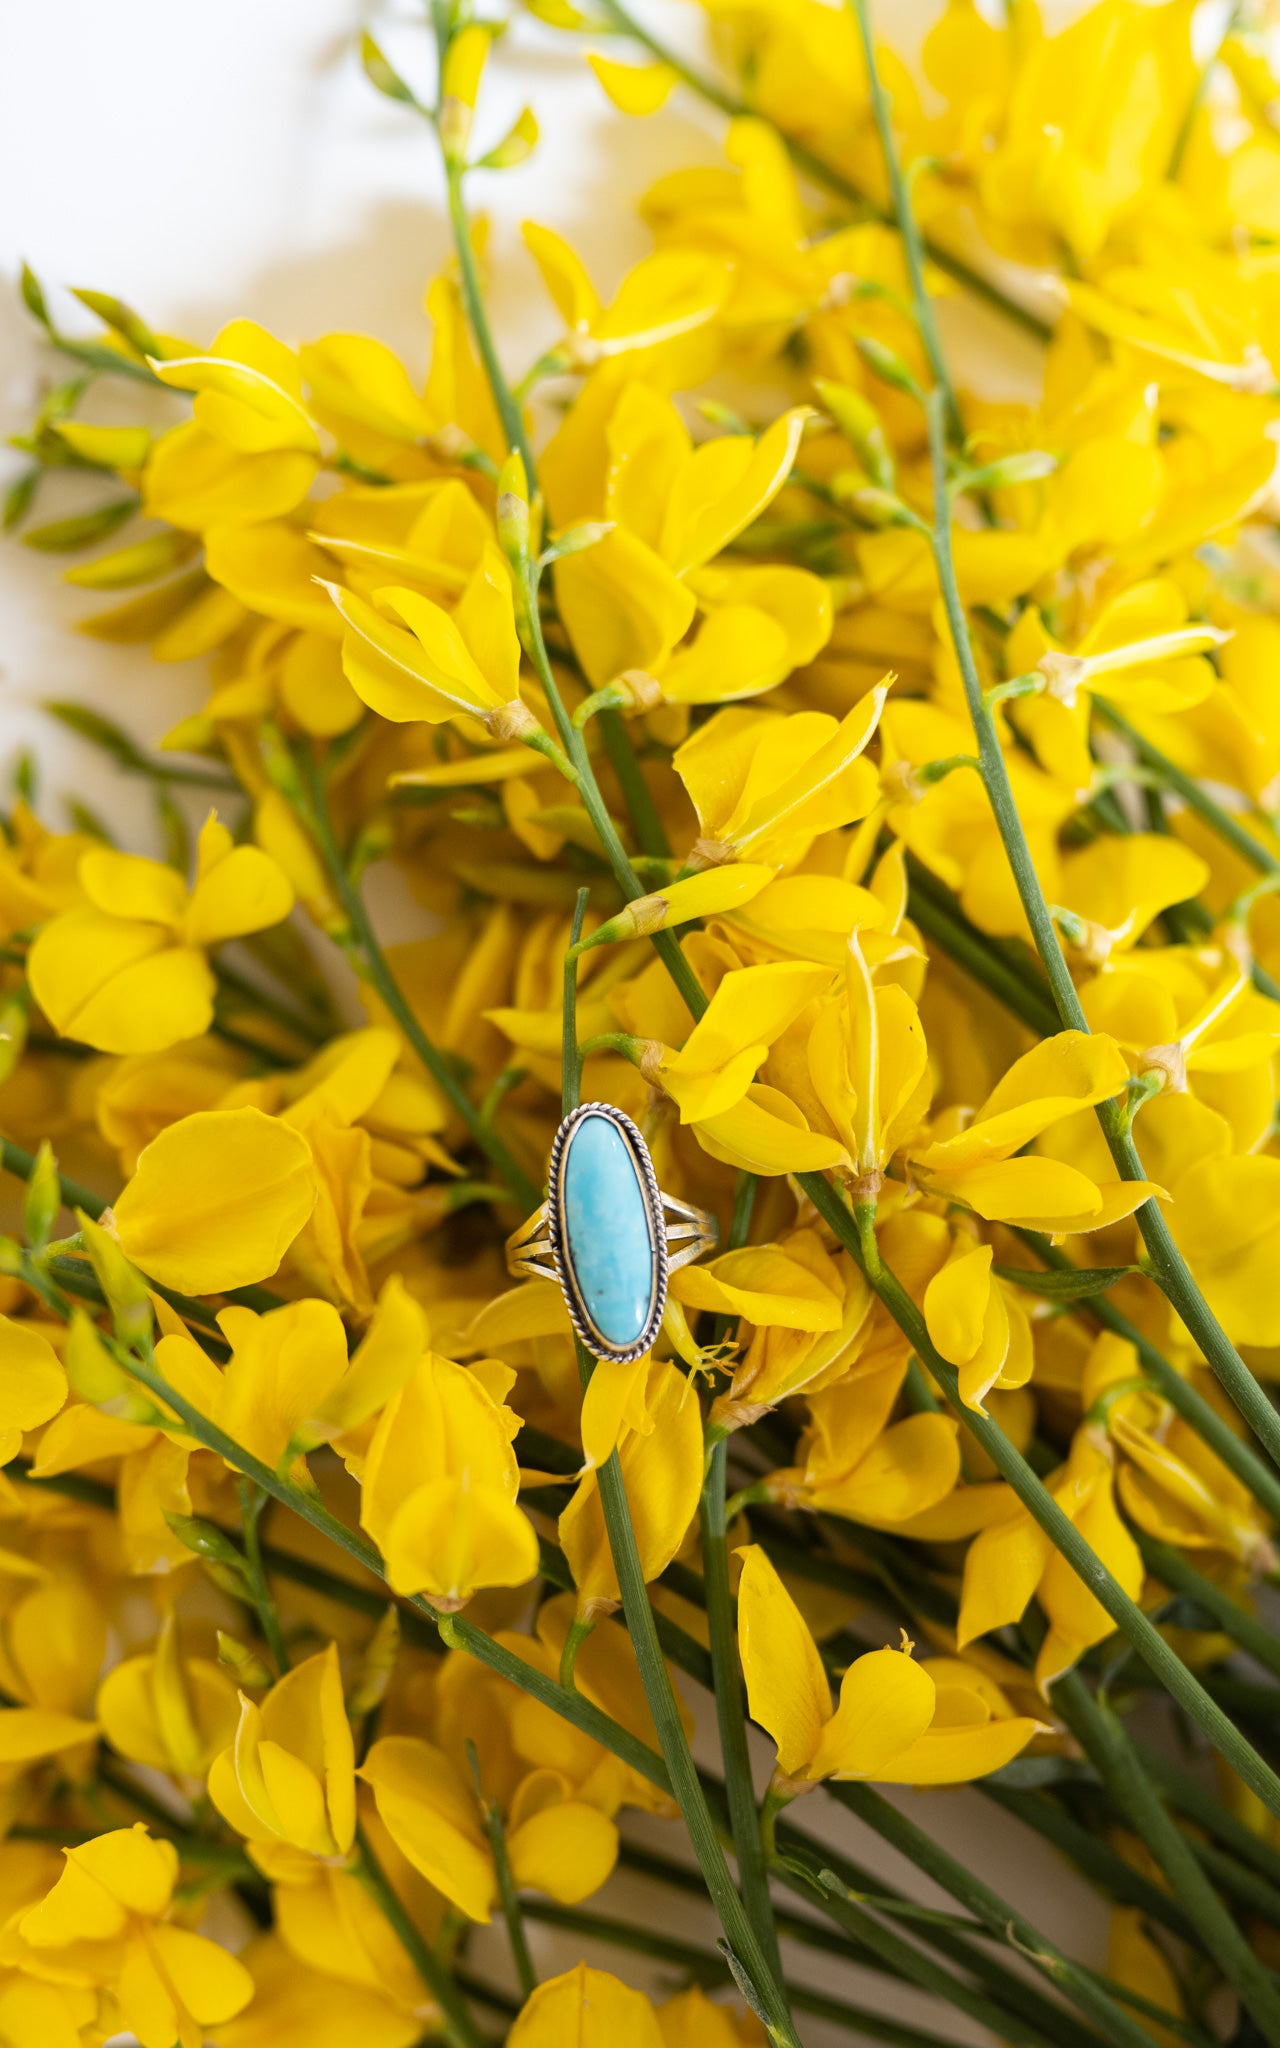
660 300
434 665
216 1200
1171 1483
717 1062
127 971
868 1067
560 1846
296 2004
977 1324
111 1910
439 1484
38 870
171 1712
289 1384
894 1721
1084 130
1013 1560
977 1165
661 1460
33 1385
286 1783
589 2008
250 450
807 1314
690 2020
855 1462
628 601
765 784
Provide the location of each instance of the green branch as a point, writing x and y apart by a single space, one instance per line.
1168 1266
1102 1736
458 2027
315 809
757 1975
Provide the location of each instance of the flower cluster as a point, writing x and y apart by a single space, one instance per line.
873 792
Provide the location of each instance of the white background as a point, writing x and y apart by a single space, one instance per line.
206 161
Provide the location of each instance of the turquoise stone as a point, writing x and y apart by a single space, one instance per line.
608 1239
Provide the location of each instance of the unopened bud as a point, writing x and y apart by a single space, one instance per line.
238 1657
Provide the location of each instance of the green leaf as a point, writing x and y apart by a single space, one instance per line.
15 1014
85 819
18 497
1026 466
92 1373
26 777
382 75
575 539
101 732
43 1198
745 1985
857 420
519 142
1078 1284
33 296
126 1291
888 365
122 320
215 1549
174 830
64 536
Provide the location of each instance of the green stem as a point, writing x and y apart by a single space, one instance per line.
1241 1461
651 833
981 963
1200 1805
1181 1576
758 1978
1093 1857
744 1815
901 211
971 1954
455 1630
457 2024
1001 1919
1193 794
707 1968
752 1964
1169 1268
382 979
576 1636
478 320
1103 1738
252 1502
508 1897
1146 1639
905 1959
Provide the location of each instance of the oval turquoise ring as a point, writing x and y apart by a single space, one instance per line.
607 1234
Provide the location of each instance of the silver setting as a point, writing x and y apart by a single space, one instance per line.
678 1231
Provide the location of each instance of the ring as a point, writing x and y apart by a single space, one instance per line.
607 1234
